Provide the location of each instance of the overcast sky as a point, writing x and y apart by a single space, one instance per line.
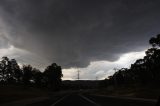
93 36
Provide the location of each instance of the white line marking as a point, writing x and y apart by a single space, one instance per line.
89 100
59 100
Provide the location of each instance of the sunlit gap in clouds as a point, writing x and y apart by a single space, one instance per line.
24 57
9 51
13 52
102 69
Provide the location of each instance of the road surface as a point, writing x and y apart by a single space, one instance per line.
77 99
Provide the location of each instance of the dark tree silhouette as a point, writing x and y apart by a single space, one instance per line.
155 41
11 73
27 74
3 70
7 72
17 72
53 74
37 77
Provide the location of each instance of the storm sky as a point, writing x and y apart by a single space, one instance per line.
93 36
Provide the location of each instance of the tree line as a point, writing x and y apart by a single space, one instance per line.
143 71
12 73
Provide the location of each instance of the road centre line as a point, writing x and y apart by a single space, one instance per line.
87 99
59 100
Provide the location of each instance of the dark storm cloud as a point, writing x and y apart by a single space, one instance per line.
76 32
3 42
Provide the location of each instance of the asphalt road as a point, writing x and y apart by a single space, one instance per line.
77 99
74 100
113 101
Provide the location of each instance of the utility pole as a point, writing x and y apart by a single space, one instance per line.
78 74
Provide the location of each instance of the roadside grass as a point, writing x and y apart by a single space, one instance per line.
146 92
10 93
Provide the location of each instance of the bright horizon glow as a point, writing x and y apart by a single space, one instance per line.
102 69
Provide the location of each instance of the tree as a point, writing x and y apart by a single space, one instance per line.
6 70
53 74
155 41
37 77
17 72
27 74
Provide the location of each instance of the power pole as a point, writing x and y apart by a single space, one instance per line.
78 75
